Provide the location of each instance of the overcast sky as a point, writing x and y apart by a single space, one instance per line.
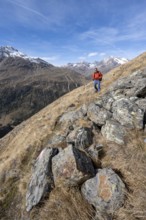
63 31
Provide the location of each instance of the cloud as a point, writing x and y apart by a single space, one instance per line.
102 54
21 5
38 15
92 54
132 30
82 58
50 59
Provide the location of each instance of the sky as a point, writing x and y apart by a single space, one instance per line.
69 31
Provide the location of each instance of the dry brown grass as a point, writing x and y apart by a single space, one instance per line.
64 204
129 162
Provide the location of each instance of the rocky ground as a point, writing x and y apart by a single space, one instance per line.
82 157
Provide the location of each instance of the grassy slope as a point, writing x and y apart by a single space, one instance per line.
23 144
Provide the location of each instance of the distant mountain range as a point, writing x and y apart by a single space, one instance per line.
9 51
86 68
29 84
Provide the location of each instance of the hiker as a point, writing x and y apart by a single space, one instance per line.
97 77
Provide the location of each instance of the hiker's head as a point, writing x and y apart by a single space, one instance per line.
96 70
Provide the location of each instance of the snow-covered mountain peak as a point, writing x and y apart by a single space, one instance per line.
118 60
121 60
8 51
104 65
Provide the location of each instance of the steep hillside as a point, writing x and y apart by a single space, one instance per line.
103 132
27 85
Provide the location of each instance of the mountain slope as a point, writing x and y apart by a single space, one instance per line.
27 85
86 68
21 147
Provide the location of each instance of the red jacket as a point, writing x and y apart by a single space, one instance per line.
97 75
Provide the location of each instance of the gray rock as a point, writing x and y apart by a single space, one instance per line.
113 131
99 102
139 89
141 103
105 191
138 74
133 85
80 137
72 167
122 84
72 116
42 180
133 99
107 101
84 109
93 152
118 94
98 115
128 113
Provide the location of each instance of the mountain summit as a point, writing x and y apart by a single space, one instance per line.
105 65
8 51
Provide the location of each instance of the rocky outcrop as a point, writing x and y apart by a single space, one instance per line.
80 137
141 103
105 191
78 159
133 85
72 167
113 131
42 179
127 113
115 113
72 116
97 114
122 107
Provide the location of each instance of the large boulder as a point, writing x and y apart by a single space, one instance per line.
133 85
107 101
97 114
127 113
72 167
72 116
80 137
114 131
105 191
41 182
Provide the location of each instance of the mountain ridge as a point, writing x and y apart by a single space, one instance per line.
105 65
9 51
